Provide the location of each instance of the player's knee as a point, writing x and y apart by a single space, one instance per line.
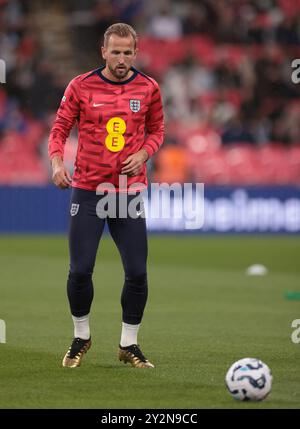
136 283
79 280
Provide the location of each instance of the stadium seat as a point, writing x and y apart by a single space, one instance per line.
244 164
274 164
293 156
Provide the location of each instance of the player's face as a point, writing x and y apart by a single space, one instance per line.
119 55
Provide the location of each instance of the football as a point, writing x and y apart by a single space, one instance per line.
249 379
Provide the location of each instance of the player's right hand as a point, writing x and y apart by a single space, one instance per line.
61 176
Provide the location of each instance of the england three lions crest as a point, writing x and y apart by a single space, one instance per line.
74 209
135 105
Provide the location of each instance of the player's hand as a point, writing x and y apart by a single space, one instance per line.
133 164
61 176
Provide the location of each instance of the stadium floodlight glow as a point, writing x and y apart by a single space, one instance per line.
2 71
2 331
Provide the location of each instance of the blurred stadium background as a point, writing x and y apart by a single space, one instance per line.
232 109
233 123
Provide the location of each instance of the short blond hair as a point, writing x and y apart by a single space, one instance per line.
122 30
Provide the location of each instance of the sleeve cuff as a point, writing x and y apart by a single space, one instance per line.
149 150
52 155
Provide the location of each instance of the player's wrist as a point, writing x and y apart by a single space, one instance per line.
144 154
56 162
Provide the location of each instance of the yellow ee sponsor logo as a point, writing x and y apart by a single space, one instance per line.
115 127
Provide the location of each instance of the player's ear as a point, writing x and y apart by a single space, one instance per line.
103 52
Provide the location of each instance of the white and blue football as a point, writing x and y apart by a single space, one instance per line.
249 379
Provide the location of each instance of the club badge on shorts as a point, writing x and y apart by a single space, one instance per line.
74 209
135 105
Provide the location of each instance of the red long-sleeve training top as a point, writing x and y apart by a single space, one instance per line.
115 120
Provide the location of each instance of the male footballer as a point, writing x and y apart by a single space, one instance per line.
119 115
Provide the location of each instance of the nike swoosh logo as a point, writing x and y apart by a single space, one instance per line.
139 213
97 105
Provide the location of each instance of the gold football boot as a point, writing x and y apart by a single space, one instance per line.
134 356
76 351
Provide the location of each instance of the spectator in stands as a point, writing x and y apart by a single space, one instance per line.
237 130
232 77
198 18
165 25
171 164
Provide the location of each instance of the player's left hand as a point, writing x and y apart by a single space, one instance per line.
133 164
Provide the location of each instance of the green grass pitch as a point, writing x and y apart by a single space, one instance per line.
203 314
